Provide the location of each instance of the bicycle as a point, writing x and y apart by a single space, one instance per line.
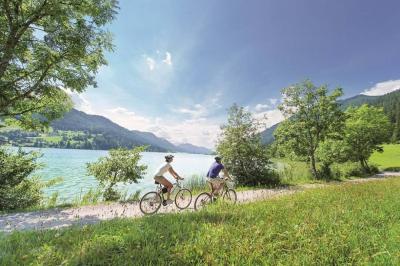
151 202
228 195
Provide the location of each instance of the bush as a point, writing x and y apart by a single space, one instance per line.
243 153
352 169
392 169
17 189
121 166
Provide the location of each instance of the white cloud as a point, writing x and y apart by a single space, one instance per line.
267 113
194 131
259 107
272 117
151 63
80 101
382 88
273 101
197 111
168 59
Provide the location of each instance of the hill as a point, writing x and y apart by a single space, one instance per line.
390 103
189 148
83 131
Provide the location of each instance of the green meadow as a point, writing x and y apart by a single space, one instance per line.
338 224
389 159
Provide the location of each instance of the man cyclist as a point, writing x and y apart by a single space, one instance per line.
159 176
216 182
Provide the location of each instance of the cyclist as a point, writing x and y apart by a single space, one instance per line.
159 177
216 182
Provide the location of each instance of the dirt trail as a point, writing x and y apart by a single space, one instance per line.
58 218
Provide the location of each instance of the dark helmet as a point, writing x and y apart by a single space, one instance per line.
169 157
218 158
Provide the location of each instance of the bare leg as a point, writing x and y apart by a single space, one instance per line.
220 186
212 188
162 180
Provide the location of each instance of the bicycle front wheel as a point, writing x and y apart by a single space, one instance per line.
202 200
230 196
150 202
183 198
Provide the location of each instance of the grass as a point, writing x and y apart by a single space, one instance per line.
389 159
51 139
342 224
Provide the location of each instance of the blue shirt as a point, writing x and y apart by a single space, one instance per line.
215 169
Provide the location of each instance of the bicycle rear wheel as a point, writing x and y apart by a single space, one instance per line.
230 196
202 200
183 198
150 202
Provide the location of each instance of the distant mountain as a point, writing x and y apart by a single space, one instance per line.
267 136
390 103
117 136
189 148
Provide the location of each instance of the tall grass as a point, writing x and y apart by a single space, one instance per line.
196 183
342 224
292 172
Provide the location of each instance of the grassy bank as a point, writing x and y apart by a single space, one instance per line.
334 225
389 159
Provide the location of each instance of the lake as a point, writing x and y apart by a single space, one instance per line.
71 166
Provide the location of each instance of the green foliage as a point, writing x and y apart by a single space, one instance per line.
122 165
336 225
17 189
391 106
366 129
313 116
328 152
49 45
243 153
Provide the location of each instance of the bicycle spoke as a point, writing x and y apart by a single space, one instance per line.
183 198
150 203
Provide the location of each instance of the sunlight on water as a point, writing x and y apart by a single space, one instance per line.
71 166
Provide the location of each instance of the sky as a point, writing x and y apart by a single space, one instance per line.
178 65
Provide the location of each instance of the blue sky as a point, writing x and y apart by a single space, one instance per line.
178 65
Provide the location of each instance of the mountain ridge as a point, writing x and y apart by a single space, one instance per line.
76 120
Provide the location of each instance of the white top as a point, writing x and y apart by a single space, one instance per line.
163 169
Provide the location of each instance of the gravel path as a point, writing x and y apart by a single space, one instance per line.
58 218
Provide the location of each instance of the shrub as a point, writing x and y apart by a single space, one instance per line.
243 153
17 189
121 166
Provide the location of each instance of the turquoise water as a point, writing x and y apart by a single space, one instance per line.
71 166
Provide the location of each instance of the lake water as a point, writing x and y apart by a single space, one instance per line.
71 166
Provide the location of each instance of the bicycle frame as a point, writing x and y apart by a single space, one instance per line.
175 185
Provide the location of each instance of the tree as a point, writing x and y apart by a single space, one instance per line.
313 116
17 189
243 153
396 127
122 165
366 129
331 151
48 45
